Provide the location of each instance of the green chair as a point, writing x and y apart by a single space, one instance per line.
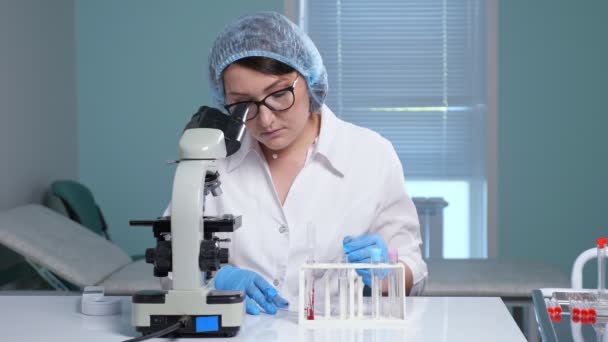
74 200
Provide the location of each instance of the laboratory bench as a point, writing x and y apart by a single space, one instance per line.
46 316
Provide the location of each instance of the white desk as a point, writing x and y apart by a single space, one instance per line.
57 318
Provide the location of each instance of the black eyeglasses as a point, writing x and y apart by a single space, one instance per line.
278 101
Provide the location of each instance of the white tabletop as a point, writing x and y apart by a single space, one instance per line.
57 318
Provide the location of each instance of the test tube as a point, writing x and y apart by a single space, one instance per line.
376 273
343 289
359 289
352 274
327 296
601 256
310 281
393 286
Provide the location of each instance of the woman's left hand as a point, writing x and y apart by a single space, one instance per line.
358 250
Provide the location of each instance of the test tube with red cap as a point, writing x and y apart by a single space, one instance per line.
601 255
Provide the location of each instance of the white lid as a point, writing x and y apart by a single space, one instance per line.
94 303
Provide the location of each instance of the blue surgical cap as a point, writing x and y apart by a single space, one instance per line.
268 34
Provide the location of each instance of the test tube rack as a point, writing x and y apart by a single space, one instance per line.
357 315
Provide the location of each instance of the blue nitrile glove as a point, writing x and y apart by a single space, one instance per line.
358 249
257 290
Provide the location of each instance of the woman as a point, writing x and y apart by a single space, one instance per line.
299 168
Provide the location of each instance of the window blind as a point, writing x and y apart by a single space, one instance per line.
413 71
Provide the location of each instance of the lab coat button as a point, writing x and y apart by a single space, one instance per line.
282 229
276 282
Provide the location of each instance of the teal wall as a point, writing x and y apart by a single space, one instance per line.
552 122
141 74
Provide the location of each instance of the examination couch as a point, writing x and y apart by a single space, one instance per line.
64 252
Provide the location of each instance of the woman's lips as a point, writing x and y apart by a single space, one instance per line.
273 133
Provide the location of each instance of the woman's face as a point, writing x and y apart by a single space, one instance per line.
278 129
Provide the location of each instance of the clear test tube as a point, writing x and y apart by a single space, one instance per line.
352 288
359 294
601 268
376 277
327 295
394 309
343 289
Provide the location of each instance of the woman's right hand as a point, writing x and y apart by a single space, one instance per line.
257 290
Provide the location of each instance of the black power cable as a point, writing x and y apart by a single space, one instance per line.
180 324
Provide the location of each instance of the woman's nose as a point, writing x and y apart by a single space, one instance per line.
265 116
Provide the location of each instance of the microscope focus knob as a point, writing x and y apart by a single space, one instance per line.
150 255
160 257
224 255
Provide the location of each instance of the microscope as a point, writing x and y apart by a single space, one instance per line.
186 244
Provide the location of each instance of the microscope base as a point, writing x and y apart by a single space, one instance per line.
162 322
206 313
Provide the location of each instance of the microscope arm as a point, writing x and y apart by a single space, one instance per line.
186 223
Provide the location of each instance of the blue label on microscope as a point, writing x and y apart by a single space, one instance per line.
207 323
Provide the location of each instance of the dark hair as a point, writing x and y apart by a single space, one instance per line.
265 65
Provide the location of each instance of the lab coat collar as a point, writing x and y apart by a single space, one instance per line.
331 138
248 145
327 145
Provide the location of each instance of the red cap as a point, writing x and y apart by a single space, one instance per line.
601 242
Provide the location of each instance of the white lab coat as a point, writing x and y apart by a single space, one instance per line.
352 183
